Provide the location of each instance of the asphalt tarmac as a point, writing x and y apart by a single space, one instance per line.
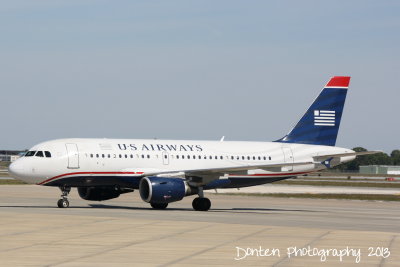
237 231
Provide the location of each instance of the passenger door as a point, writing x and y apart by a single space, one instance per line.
73 156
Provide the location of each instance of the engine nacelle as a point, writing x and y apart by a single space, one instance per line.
162 190
101 193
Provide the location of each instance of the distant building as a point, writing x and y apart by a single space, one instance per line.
10 158
10 155
380 169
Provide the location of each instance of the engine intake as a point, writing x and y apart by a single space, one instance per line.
162 190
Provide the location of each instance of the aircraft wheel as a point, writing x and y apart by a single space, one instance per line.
63 203
201 204
159 206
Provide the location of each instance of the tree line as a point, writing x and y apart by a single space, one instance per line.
374 159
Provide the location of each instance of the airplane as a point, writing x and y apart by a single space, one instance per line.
165 171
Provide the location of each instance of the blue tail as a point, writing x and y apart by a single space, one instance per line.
320 124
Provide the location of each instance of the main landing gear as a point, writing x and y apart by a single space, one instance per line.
201 203
63 202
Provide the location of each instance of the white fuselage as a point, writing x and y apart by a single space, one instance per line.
137 156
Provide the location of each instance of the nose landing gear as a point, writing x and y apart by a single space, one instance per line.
201 203
63 202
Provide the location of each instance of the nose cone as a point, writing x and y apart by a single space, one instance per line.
16 169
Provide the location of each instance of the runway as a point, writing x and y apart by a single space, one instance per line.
310 189
126 232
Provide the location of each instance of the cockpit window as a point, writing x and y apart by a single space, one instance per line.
30 153
48 154
39 154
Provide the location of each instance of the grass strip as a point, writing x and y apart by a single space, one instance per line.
331 183
10 181
4 164
322 196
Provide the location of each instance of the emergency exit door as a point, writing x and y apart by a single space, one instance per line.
288 157
165 157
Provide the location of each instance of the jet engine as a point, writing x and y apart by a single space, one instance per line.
162 190
101 193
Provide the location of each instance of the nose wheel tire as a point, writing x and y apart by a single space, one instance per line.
159 206
201 204
63 203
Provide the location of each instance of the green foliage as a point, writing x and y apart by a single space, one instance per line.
374 159
395 155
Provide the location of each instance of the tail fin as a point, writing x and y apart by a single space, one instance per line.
320 124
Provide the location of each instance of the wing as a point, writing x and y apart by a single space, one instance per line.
223 170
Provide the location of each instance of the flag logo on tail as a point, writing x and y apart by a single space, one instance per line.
324 117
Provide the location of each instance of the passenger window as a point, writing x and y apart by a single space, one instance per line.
126 156
221 157
131 156
48 154
269 158
39 154
210 157
97 155
248 158
254 158
109 156
242 157
265 158
91 155
148 156
142 156
120 156
102 155
177 156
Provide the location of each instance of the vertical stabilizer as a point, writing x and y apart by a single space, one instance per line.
320 124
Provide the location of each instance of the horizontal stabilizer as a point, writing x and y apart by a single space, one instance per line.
323 157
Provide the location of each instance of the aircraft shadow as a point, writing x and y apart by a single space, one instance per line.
103 206
230 210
